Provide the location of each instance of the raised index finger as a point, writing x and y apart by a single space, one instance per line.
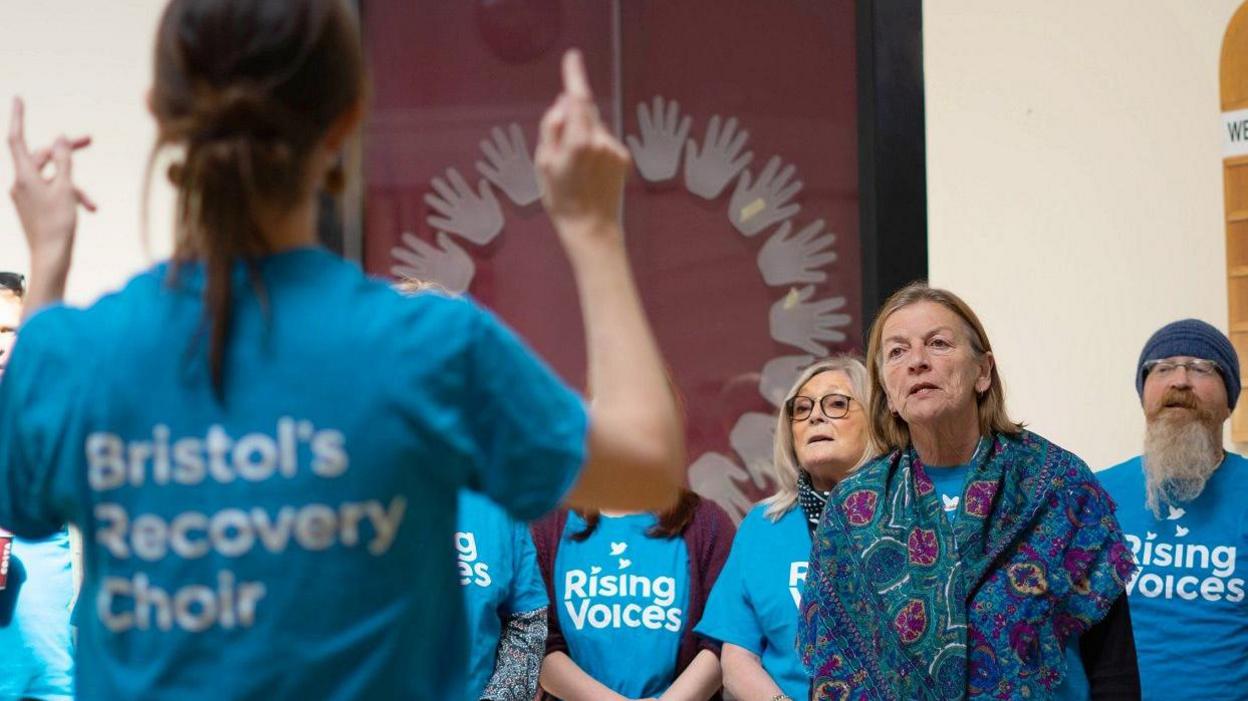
575 84
17 136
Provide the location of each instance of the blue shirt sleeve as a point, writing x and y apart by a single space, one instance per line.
36 401
530 428
729 616
528 591
485 412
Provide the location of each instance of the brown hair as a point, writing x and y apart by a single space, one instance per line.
671 523
891 431
247 90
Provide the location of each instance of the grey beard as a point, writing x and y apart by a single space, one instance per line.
1179 458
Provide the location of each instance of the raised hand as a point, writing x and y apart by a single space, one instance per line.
785 260
708 173
508 165
449 265
803 324
581 167
779 374
663 134
757 205
715 477
474 215
46 206
753 438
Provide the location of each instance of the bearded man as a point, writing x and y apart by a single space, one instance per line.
1184 507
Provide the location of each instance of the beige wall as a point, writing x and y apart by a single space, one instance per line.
84 67
1073 173
1075 193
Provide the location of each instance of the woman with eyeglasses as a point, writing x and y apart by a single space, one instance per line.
974 559
261 445
821 435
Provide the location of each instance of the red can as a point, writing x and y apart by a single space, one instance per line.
6 548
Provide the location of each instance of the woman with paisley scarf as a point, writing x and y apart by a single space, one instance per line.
821 435
974 559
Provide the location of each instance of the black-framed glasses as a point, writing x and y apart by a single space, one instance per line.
14 282
833 406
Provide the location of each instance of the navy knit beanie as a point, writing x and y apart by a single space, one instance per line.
1195 339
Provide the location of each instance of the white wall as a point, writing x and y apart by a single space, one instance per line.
84 67
1075 193
1074 181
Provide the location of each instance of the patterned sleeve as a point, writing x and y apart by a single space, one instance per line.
518 661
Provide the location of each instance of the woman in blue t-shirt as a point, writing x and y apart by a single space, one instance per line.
504 597
821 434
263 447
626 590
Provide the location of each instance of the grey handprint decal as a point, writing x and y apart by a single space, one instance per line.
509 165
663 132
757 205
446 264
474 215
801 323
752 439
707 173
715 477
786 260
779 374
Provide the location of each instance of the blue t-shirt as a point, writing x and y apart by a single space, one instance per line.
622 598
498 572
950 484
755 601
36 649
295 540
1188 610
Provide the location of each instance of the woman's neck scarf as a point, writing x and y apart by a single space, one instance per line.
810 499
900 604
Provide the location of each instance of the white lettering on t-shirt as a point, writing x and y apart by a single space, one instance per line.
113 463
587 597
235 532
797 577
1200 571
136 602
471 572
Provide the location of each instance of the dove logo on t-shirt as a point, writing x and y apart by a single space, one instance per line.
950 503
472 572
797 578
620 599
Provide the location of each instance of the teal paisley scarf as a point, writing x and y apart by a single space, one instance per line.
902 605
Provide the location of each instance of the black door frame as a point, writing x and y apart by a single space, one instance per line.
892 160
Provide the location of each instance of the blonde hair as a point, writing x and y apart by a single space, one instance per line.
411 286
891 431
784 465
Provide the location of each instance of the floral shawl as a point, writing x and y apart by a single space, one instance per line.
900 604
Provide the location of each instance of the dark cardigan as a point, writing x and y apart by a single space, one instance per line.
708 538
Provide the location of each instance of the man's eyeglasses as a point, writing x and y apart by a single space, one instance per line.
1196 368
14 282
833 406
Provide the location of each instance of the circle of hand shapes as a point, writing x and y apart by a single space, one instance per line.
786 259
